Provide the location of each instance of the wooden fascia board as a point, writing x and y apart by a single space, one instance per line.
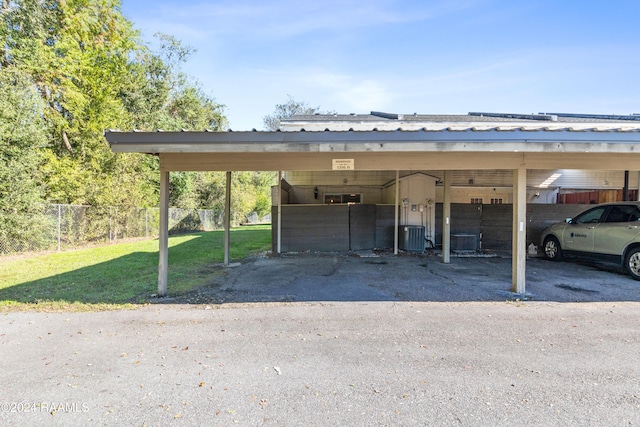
377 161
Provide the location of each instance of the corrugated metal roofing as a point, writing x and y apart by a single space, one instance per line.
462 127
473 122
471 117
386 134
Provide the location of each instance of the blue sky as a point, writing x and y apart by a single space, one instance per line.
431 56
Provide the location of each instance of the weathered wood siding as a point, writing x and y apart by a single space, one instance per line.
313 227
333 227
540 217
496 226
494 222
465 219
384 226
361 227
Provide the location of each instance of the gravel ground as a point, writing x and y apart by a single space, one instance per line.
329 350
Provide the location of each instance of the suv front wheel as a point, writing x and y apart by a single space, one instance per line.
552 250
632 263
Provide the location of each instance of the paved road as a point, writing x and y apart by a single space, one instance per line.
395 363
340 340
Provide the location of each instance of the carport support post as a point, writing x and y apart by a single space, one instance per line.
227 219
279 231
519 243
163 235
396 224
446 219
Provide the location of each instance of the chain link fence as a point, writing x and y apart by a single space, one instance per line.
72 226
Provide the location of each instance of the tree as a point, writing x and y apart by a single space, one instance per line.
160 96
93 73
87 65
22 138
77 53
288 109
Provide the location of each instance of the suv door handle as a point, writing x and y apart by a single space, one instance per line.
632 227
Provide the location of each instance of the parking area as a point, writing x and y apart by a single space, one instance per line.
308 277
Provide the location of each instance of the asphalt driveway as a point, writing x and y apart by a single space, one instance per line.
312 277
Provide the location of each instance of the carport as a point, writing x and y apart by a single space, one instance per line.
517 146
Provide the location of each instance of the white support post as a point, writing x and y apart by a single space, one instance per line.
227 219
163 235
446 219
60 226
519 243
396 224
279 231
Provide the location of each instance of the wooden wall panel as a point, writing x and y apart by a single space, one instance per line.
385 224
465 219
335 228
317 228
540 217
362 227
496 227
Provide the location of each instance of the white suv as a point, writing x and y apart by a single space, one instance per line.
608 232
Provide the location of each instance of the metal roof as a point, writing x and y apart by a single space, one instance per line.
376 116
383 132
471 122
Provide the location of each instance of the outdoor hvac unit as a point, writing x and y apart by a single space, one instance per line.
411 237
464 242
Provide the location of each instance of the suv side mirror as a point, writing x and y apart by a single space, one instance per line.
569 220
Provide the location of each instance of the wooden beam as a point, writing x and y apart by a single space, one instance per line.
227 219
519 239
446 219
163 236
279 231
324 161
376 161
395 221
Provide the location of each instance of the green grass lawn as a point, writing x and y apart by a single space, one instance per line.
119 275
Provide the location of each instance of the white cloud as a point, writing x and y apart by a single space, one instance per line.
351 91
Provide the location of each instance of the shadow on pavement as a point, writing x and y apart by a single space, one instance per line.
419 277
